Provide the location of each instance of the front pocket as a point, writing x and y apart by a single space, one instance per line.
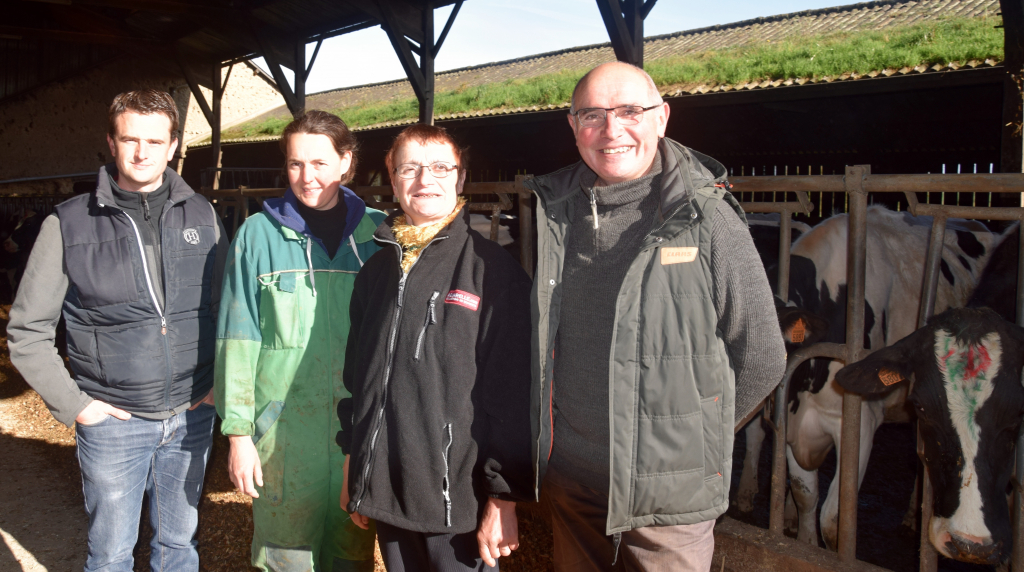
430 319
271 444
283 307
103 273
712 413
133 357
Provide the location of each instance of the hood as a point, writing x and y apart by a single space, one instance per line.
104 195
285 211
683 171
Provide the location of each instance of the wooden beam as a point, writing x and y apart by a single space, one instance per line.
165 6
420 71
624 20
1013 48
271 48
76 37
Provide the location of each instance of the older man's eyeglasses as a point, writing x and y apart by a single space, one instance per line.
439 169
597 116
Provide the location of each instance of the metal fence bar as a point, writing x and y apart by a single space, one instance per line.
778 422
849 453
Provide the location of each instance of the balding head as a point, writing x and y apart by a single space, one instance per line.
617 67
620 150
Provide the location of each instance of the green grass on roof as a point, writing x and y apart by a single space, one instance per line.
936 42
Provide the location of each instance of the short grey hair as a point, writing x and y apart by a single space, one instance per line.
652 88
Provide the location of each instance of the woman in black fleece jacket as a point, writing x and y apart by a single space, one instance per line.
437 428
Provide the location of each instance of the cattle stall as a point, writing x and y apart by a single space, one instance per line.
855 185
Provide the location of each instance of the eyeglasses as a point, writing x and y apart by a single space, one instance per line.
597 116
439 169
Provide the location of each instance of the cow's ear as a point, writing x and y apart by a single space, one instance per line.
800 327
881 371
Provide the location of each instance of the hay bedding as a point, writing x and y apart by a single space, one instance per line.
225 516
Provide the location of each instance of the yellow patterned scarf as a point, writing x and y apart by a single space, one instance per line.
414 238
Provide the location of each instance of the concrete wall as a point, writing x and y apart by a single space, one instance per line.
59 129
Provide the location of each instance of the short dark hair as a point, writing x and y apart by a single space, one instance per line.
423 133
316 122
145 102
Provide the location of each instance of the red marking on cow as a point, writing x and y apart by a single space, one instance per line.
464 299
978 361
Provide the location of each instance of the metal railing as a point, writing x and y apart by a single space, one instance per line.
856 184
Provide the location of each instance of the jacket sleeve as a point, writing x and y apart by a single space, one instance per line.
346 406
503 354
31 331
746 311
238 341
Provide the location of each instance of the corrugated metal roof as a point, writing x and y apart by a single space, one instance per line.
866 16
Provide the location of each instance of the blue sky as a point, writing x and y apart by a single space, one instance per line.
494 30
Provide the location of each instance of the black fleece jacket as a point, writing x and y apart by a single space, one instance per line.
438 364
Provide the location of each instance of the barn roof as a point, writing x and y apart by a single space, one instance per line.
44 40
863 17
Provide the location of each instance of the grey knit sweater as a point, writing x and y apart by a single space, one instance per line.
596 261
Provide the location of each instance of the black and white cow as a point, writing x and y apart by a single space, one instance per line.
896 247
764 230
967 393
997 288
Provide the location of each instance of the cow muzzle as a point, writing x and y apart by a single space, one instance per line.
971 549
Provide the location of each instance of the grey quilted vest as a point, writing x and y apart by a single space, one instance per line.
123 348
671 386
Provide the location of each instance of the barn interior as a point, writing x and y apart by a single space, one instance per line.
62 61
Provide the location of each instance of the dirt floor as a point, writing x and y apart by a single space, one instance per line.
43 524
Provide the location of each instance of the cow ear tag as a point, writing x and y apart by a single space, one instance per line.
798 331
889 377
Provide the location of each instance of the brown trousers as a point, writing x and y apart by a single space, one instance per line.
578 517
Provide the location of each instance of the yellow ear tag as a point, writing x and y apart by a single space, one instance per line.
797 332
677 255
889 377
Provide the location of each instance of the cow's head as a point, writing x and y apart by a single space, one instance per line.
967 393
799 327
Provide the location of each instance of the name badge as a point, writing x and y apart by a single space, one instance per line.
464 299
678 255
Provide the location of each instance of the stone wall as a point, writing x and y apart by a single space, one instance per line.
247 95
58 130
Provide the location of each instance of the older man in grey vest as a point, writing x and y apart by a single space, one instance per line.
654 330
136 268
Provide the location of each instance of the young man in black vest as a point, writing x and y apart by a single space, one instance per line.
655 330
136 268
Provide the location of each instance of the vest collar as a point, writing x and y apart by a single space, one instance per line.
104 195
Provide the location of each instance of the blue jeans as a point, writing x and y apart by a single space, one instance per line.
122 460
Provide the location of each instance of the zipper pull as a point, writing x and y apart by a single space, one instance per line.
593 206
401 289
163 326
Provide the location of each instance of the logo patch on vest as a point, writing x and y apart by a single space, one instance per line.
464 299
678 255
191 235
